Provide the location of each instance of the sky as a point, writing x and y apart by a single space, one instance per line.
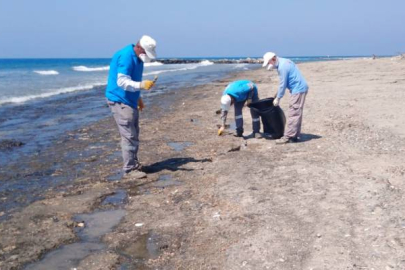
207 28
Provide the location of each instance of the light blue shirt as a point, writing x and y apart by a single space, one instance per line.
290 77
240 90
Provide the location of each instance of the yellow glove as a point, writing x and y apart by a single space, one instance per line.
141 106
221 131
147 85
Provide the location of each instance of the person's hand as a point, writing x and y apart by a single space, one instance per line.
141 105
248 101
147 85
276 101
221 130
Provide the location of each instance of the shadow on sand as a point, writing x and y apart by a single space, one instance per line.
305 137
172 164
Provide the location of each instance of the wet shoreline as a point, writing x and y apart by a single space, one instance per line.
28 168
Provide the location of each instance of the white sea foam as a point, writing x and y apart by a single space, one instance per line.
49 94
90 69
153 64
240 66
46 72
206 63
186 67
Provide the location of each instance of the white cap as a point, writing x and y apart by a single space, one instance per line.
149 45
267 57
226 102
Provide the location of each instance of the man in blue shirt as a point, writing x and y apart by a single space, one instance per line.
124 98
239 92
291 79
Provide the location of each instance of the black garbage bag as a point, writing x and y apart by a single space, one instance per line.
273 117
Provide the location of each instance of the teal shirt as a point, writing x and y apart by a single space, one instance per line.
126 62
239 90
290 78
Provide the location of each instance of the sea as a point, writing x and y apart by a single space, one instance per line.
43 99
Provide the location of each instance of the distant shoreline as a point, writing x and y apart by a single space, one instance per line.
200 58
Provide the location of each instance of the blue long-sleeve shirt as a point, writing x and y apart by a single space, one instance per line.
290 77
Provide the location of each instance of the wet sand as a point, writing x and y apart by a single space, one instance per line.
333 201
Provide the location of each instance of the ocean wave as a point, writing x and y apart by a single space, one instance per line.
46 72
206 63
49 94
153 64
240 66
90 69
187 67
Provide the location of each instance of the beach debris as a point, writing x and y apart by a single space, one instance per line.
138 224
242 146
216 215
80 224
9 144
226 126
234 148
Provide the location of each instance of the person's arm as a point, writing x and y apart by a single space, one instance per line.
224 114
283 76
125 81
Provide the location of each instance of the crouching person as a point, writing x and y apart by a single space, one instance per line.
238 93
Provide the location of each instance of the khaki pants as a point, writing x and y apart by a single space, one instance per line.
295 112
127 119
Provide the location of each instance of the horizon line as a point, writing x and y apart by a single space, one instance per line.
194 57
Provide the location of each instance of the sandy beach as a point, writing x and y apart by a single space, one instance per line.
335 200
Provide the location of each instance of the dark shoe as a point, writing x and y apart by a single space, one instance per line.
255 135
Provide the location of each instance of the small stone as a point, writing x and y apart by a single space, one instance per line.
13 258
80 224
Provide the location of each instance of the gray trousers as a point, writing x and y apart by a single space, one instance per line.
239 117
127 119
295 112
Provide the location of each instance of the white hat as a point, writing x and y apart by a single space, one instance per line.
226 102
267 57
149 45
